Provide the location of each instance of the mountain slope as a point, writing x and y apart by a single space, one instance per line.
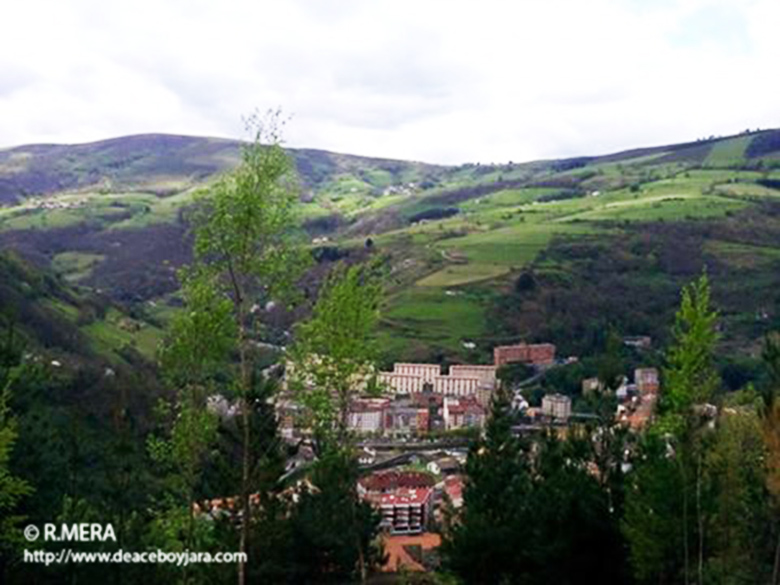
107 216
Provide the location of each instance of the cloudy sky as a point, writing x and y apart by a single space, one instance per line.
441 81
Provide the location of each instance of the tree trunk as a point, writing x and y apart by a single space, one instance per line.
245 406
356 528
700 521
686 555
776 568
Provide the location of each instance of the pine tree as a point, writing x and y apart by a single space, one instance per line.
677 441
490 541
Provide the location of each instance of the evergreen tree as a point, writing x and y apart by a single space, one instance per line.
574 519
12 487
492 540
678 440
333 531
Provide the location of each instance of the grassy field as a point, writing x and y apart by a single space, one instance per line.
74 266
728 153
454 235
116 331
421 318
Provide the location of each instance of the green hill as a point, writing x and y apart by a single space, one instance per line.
70 327
106 217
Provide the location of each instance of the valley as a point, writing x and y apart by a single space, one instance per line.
110 218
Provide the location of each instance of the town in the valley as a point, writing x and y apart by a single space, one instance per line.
413 433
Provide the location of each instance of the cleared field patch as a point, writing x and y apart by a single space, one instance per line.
115 332
728 153
484 255
514 245
665 208
750 190
742 255
456 274
506 198
427 317
74 266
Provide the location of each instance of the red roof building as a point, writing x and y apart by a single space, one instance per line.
404 510
540 354
389 481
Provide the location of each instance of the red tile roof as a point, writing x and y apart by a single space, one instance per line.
406 497
390 480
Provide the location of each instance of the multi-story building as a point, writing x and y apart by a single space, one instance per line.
405 511
646 380
556 406
540 354
366 415
427 371
462 380
462 413
487 374
402 417
405 499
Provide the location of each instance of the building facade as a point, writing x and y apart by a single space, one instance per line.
540 354
646 380
556 406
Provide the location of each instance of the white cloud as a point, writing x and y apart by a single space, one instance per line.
428 80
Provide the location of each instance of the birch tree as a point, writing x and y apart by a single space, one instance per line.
245 248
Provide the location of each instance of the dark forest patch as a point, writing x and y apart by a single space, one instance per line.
763 143
632 281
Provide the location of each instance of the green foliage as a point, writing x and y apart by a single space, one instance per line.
690 377
334 355
738 547
200 339
12 488
532 515
334 531
327 534
689 381
770 354
512 374
611 364
245 251
244 223
490 542
652 514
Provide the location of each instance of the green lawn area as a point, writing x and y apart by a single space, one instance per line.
65 310
111 334
489 254
431 317
666 208
747 190
74 266
506 198
457 274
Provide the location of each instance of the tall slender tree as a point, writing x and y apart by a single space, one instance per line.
334 354
690 380
200 341
245 247
334 361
